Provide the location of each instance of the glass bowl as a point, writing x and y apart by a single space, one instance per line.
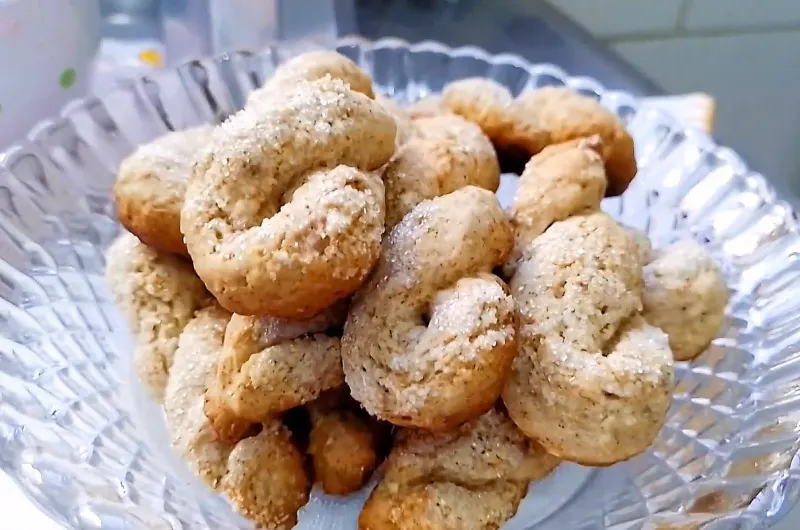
80 438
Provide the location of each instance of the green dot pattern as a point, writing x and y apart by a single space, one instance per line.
67 78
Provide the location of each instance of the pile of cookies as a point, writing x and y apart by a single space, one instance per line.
325 283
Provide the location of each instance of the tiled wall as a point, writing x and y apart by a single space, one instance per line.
746 53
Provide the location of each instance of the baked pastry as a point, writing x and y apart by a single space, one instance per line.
685 295
541 117
315 65
429 340
151 183
567 115
158 294
470 478
262 475
284 216
445 153
561 181
405 127
593 381
343 444
270 365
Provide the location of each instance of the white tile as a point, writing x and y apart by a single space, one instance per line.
755 81
622 17
732 14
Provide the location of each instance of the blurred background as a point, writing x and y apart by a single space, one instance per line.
743 52
740 53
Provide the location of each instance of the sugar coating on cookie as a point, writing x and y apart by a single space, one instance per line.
444 154
315 65
472 477
158 294
593 381
269 365
151 183
561 181
263 475
284 215
644 248
685 295
430 339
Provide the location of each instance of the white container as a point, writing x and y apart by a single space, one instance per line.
46 52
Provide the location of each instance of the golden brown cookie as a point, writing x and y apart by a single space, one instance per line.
430 339
567 115
445 153
471 478
284 215
312 66
685 295
158 294
151 183
492 107
270 365
405 127
342 445
540 117
593 381
561 181
426 107
262 475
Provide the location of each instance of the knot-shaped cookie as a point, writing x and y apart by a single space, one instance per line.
158 294
592 382
283 216
443 154
685 295
470 478
151 183
540 117
262 475
269 365
430 339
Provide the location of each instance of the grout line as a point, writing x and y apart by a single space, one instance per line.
793 27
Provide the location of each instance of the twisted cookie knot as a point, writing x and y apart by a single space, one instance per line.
283 216
262 475
269 365
430 339
472 477
592 382
544 116
443 154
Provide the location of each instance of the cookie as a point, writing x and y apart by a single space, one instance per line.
429 340
151 184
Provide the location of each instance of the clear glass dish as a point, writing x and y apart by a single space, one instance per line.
80 438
